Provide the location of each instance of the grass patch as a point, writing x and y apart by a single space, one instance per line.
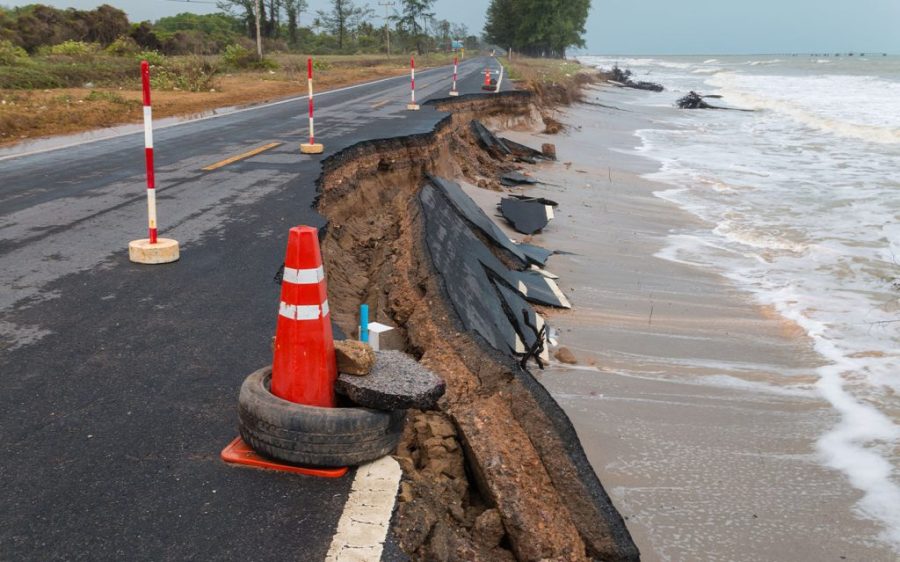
554 81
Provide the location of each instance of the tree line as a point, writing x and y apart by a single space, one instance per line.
285 25
537 27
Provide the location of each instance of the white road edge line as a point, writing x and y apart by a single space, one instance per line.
198 119
364 525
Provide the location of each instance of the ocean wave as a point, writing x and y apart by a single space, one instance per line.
851 445
849 106
760 238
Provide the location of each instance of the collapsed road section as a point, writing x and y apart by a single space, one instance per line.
497 472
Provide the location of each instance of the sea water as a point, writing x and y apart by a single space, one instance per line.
802 201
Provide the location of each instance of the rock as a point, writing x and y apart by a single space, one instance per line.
354 357
396 382
457 512
406 492
488 530
565 355
548 149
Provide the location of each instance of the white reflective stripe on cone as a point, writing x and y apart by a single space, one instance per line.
303 276
303 312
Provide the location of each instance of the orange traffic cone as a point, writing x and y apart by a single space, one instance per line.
304 368
487 79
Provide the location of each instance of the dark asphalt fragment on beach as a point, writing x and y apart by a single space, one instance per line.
526 215
510 179
543 200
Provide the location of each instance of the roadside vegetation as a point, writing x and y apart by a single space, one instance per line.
554 81
68 70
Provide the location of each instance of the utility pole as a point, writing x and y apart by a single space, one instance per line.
258 40
387 30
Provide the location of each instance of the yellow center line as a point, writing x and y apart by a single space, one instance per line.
247 154
382 103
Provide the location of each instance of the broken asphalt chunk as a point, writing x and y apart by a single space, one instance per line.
488 141
396 382
526 216
510 179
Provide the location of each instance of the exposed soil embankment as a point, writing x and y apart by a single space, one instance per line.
497 473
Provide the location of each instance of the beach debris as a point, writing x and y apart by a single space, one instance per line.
549 150
354 357
540 289
489 141
526 215
482 290
535 254
693 100
565 355
523 254
622 78
510 179
396 382
523 153
543 200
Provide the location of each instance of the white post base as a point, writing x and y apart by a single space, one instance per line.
413 107
164 251
307 148
454 93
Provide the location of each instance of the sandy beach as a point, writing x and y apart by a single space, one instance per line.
695 404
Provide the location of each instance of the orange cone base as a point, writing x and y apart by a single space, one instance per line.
316 148
238 452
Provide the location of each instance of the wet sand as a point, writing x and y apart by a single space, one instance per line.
694 404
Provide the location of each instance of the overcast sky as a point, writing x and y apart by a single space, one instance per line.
658 26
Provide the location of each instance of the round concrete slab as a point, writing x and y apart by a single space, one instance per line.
396 382
165 250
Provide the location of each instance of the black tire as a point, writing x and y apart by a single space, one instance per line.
310 435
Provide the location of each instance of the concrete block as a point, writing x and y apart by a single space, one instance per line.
165 250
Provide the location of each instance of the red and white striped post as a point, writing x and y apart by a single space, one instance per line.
412 106
311 147
151 249
453 91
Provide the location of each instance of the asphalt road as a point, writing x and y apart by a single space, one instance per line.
119 382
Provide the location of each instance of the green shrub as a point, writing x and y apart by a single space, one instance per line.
155 58
10 54
195 74
321 64
123 46
237 56
71 49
